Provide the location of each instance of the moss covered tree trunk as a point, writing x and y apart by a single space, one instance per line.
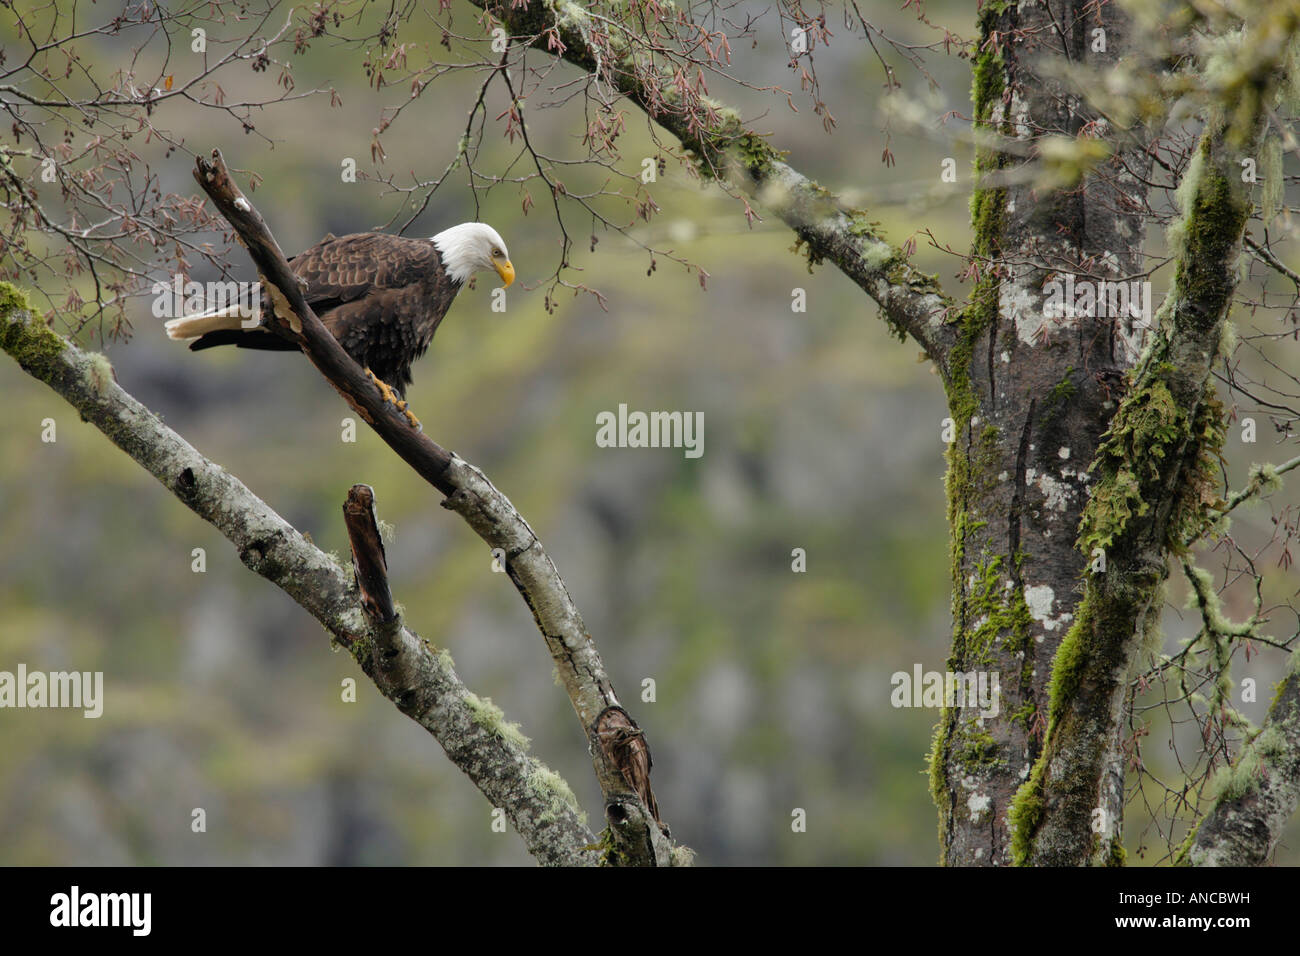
1086 445
1031 388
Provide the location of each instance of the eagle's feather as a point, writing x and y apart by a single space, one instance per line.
381 296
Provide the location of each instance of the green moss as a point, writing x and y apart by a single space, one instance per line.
728 138
610 855
1027 713
969 463
1292 673
12 298
1026 814
988 76
1057 399
1089 653
990 611
860 223
1185 848
988 83
1116 855
28 340
1113 504
801 244
362 650
970 458
1148 435
1243 777
1063 390
1068 668
938 781
756 153
1208 232
1197 506
978 749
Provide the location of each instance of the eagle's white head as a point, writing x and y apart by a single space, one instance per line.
473 247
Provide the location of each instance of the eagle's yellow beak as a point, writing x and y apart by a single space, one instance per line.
505 270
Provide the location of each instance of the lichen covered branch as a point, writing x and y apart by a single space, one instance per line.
722 147
490 752
1257 795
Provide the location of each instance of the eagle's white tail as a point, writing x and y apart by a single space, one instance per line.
231 317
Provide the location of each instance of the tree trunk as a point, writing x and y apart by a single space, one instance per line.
1030 392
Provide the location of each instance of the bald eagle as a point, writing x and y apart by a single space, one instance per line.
381 296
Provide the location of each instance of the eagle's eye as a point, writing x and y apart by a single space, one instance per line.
496 253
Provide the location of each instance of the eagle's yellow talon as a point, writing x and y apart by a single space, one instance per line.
391 397
410 416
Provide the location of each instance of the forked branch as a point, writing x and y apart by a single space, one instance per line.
418 680
636 834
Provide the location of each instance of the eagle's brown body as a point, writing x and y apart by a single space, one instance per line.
381 296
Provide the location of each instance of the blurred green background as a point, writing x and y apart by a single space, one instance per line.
821 432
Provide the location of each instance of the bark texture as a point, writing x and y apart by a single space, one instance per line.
1155 475
1031 389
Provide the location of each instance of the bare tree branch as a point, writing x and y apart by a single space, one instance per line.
369 563
1264 253
420 681
723 147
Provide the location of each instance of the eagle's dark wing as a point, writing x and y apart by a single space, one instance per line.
381 296
340 270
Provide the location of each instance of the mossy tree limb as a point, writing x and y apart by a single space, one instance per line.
1258 794
428 691
722 147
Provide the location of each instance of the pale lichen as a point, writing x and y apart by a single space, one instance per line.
491 717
